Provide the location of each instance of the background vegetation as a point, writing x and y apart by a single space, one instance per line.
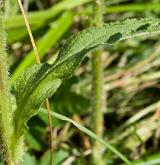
131 77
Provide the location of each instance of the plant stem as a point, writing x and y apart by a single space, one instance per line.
97 13
6 116
97 88
50 128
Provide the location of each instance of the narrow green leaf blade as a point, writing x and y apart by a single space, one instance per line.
89 133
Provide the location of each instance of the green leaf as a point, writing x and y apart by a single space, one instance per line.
59 157
31 90
89 133
33 142
40 82
106 35
29 159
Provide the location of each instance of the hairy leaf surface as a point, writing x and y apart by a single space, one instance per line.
40 82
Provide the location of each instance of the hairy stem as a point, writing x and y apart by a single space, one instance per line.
6 116
97 88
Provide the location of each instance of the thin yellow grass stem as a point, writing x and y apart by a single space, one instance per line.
50 127
38 62
29 32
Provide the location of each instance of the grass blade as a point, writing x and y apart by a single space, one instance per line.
91 134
